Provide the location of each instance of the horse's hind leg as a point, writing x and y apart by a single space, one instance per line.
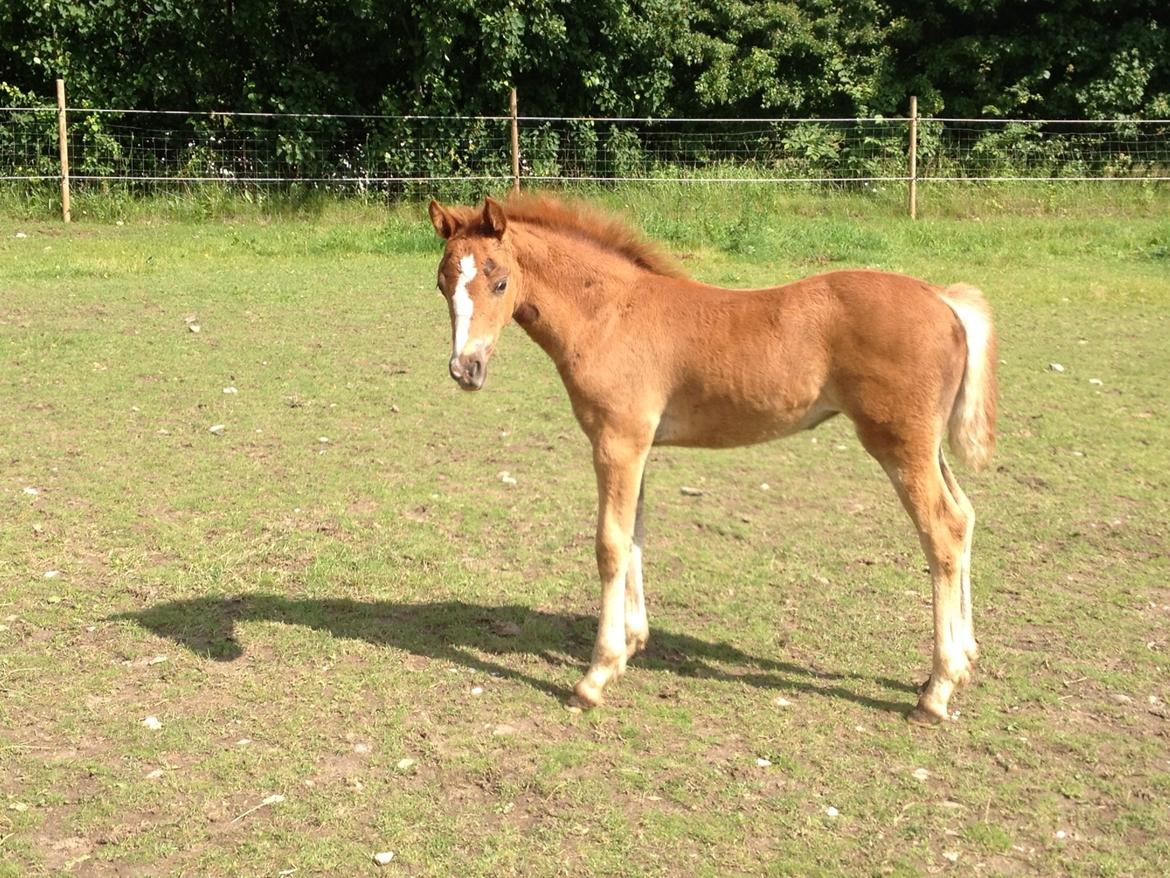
637 625
970 646
942 525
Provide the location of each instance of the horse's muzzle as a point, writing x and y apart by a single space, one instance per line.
470 370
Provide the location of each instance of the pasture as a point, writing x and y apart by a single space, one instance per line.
354 634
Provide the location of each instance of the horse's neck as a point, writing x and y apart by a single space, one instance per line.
571 289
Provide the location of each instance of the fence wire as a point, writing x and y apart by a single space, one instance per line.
713 151
970 149
395 153
347 151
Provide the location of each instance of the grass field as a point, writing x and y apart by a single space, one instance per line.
356 637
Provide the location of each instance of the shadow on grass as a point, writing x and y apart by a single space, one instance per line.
463 633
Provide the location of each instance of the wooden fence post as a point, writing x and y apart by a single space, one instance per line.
63 143
515 144
913 156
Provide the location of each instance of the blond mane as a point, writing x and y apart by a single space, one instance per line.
607 232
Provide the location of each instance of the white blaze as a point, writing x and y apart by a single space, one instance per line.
462 304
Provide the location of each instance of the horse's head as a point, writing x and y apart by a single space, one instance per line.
478 280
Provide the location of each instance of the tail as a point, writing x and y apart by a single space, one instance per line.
971 427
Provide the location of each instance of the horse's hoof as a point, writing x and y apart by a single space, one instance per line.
920 716
585 697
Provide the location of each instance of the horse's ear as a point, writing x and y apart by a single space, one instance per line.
444 220
494 220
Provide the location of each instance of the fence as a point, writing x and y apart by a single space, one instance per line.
409 156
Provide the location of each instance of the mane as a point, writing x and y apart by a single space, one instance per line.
606 231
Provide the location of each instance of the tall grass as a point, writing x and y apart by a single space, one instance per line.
672 209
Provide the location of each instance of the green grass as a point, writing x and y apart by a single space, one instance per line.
336 603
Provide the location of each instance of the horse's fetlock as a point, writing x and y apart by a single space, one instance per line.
955 668
604 657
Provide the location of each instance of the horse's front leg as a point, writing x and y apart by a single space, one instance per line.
637 625
619 463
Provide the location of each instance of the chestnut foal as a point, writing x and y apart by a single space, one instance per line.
651 357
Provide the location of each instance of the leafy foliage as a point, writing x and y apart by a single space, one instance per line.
636 58
1054 58
627 57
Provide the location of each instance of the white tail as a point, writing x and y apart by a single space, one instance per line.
971 427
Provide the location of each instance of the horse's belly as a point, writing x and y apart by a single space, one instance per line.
716 423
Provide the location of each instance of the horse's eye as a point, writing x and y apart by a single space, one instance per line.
500 286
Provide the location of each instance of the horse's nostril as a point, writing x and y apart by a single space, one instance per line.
474 368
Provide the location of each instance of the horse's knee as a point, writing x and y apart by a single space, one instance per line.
613 551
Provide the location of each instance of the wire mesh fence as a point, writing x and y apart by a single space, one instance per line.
713 150
1043 149
154 146
416 155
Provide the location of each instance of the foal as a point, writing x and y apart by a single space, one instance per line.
651 357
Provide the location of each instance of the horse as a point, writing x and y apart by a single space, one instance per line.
652 357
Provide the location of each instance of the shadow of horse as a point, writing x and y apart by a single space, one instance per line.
468 634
